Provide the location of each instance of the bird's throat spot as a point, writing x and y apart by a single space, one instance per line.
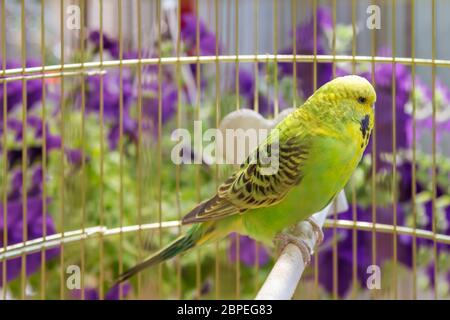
365 130
365 126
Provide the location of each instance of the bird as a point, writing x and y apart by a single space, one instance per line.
317 148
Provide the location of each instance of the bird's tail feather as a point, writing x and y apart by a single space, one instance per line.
179 245
176 247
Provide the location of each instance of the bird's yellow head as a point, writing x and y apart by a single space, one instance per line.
344 103
351 91
348 98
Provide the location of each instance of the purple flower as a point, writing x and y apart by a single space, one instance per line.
111 93
383 111
110 45
112 294
14 88
35 128
431 275
150 101
207 39
74 156
404 171
364 249
35 222
266 105
305 45
247 252
130 130
34 183
111 102
206 42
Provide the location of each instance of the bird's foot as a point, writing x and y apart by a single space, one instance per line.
283 239
317 231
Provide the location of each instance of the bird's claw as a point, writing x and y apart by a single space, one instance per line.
284 239
317 231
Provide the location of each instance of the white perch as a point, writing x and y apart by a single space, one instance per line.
287 271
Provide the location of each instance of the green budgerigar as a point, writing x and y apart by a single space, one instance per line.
318 146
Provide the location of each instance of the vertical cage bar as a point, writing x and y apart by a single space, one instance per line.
62 159
44 157
353 188
294 52
4 155
238 240
433 164
159 17
256 108
139 142
316 256
102 218
83 152
23 280
335 239
218 114
121 150
197 117
208 11
227 40
275 49
394 151
236 44
413 168
256 49
178 120
373 46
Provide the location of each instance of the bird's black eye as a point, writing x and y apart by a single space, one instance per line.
362 100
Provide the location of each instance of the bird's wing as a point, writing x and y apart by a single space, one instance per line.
251 187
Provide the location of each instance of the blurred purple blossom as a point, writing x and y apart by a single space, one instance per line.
364 249
35 129
33 183
111 102
150 101
305 45
109 44
14 89
247 91
247 251
15 207
130 130
190 25
111 93
34 224
430 272
74 156
404 171
384 74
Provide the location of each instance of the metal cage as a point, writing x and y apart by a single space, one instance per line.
106 183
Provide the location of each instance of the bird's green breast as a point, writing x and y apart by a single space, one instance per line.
329 166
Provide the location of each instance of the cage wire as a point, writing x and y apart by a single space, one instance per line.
108 194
